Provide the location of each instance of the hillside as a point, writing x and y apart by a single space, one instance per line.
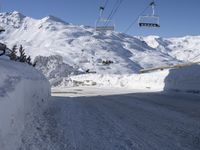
185 49
79 45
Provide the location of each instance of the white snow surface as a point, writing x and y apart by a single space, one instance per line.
23 92
137 121
185 49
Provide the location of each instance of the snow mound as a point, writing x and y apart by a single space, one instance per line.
23 91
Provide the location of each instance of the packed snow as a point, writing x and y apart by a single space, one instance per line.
136 121
23 92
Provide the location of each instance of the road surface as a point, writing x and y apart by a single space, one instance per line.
139 121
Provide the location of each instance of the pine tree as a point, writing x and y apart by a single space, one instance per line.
28 60
22 55
13 54
34 64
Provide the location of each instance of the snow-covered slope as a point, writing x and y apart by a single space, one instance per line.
23 92
186 48
81 47
55 69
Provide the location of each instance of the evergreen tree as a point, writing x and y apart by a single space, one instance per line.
28 60
34 64
13 54
22 55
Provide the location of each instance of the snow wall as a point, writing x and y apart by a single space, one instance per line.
23 91
185 79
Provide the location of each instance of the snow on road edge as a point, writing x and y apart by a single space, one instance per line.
23 91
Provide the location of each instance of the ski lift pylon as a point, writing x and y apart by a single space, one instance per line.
150 21
103 24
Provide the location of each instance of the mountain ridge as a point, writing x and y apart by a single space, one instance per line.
83 48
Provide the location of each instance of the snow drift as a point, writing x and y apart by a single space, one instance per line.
23 91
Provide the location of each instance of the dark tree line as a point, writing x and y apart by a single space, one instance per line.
22 57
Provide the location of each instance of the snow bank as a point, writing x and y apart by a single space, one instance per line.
154 81
23 90
181 79
185 79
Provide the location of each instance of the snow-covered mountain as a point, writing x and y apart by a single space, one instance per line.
83 48
186 48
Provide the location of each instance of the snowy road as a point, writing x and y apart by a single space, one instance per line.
143 121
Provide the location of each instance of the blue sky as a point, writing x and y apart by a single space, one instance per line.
177 17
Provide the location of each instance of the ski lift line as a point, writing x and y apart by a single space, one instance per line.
136 20
102 8
105 4
114 11
116 3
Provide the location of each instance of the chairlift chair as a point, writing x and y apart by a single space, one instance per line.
103 24
150 21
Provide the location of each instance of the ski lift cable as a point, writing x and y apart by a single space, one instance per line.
114 11
105 4
136 19
120 2
115 5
